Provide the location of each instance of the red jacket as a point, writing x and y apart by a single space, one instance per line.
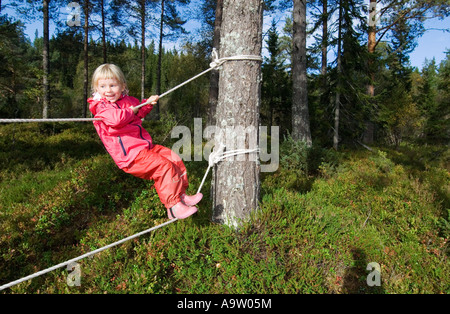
120 129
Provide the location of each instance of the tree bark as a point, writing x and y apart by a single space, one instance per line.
338 84
300 115
214 83
143 49
86 58
158 70
324 95
103 31
46 61
371 44
214 79
323 70
237 179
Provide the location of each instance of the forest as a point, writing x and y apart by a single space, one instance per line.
363 170
374 87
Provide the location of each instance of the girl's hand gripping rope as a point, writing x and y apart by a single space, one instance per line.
151 101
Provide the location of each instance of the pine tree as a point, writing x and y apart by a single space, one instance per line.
396 111
382 21
31 10
276 87
170 18
300 113
432 100
214 79
134 17
237 182
349 74
13 66
442 118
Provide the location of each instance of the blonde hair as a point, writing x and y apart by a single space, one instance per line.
108 71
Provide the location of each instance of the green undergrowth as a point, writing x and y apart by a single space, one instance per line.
323 217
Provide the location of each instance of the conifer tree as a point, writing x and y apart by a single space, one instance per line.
383 18
169 18
237 182
276 85
134 17
300 113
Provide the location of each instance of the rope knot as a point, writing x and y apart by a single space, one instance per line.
215 155
216 61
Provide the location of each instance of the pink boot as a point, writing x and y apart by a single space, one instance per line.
191 200
181 211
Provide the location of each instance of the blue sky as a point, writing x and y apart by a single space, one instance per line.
432 44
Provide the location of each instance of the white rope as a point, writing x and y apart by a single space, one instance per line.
39 273
218 155
217 62
48 120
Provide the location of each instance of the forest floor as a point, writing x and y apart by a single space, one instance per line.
326 220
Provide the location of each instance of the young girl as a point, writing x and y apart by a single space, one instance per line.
130 145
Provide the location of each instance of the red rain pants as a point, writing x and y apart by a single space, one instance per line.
166 168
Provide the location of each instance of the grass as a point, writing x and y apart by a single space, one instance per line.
323 218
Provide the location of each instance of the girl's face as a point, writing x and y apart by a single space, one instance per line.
111 89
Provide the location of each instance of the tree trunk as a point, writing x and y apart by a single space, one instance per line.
214 79
300 114
103 31
371 44
86 57
143 49
237 179
158 71
338 84
323 70
46 61
324 95
214 83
